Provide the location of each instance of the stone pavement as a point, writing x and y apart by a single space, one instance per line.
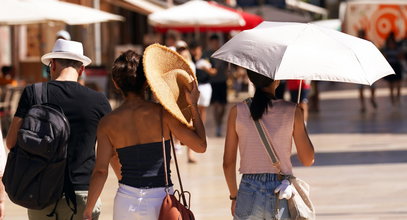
360 172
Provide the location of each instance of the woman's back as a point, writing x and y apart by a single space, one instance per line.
135 123
279 122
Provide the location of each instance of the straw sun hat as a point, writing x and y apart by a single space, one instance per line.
168 75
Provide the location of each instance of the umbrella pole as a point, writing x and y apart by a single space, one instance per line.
299 92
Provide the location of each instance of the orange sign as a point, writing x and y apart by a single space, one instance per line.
378 20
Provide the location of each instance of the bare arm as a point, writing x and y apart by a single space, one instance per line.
11 138
116 166
230 155
305 149
211 71
101 169
194 139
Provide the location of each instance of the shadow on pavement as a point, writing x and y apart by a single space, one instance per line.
355 158
344 116
362 213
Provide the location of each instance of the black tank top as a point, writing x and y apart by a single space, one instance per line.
143 165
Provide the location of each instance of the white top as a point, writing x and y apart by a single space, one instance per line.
203 64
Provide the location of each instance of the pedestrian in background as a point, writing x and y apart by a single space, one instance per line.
3 159
219 84
204 71
293 87
362 34
142 184
255 198
83 107
7 77
393 55
183 50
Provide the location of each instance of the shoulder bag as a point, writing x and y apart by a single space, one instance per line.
299 205
174 206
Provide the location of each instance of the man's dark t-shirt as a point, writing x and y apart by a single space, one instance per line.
84 108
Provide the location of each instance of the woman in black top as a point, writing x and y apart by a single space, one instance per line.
134 133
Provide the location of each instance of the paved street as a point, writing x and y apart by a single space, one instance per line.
359 172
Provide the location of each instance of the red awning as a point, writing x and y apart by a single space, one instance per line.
251 21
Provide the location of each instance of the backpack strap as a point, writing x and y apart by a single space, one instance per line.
41 96
41 92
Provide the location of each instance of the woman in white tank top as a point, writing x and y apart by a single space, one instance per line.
284 121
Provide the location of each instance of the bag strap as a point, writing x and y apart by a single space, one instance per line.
178 173
182 194
41 92
265 139
164 151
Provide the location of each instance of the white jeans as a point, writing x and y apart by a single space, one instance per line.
138 204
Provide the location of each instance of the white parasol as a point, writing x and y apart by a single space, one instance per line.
284 50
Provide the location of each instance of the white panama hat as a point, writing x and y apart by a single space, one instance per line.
66 49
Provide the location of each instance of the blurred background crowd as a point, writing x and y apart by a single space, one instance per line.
135 24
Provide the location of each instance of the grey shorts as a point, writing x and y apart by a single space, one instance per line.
63 212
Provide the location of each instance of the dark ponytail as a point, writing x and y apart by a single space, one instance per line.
261 100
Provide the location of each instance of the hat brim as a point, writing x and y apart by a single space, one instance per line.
159 60
46 59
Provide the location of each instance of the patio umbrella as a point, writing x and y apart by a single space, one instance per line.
14 12
285 50
200 15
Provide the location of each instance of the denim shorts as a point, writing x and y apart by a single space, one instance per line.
256 198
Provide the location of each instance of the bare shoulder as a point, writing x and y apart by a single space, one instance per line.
111 119
106 122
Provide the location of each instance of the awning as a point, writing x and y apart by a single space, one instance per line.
307 7
40 11
199 15
144 7
270 13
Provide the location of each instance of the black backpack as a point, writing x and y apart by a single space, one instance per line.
36 170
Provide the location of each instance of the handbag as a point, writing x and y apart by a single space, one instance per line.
174 206
299 205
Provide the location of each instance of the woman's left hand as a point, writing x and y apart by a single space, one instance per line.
233 207
87 215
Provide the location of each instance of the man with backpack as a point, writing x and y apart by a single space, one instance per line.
82 107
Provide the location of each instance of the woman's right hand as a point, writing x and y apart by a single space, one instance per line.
192 95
